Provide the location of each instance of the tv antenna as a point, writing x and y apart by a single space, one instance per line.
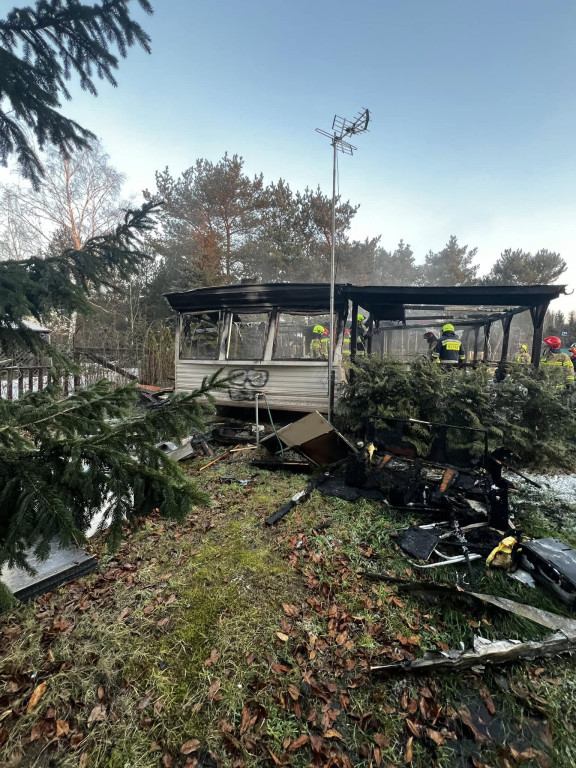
342 129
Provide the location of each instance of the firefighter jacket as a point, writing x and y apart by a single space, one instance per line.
523 357
449 350
325 345
346 345
560 364
316 347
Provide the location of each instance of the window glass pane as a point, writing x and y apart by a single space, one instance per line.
297 340
247 337
200 336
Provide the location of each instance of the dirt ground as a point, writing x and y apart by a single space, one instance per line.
220 642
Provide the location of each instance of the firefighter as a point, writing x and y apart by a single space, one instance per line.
572 350
523 356
346 343
449 349
431 340
316 343
325 343
360 336
558 362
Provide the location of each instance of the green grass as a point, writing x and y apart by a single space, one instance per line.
124 642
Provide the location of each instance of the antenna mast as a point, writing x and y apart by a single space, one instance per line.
341 130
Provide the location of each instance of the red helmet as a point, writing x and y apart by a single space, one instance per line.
553 342
347 333
326 332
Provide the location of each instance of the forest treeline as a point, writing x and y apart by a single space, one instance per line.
219 225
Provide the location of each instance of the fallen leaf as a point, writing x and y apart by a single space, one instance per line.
299 742
213 658
167 760
189 746
62 728
282 636
5 714
408 751
250 658
76 739
170 600
215 686
332 733
294 692
414 728
488 700
100 692
381 740
124 614
148 610
163 622
478 764
37 694
290 610
435 736
98 715
83 762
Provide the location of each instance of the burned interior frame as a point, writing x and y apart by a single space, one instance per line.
389 309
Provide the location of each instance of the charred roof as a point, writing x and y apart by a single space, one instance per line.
383 302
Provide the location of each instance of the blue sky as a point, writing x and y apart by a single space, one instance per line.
473 108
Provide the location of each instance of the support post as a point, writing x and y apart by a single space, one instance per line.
487 329
476 333
506 323
538 315
354 331
370 332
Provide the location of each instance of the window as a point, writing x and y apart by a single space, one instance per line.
247 337
200 336
296 340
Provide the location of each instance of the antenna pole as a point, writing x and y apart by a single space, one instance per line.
331 343
340 128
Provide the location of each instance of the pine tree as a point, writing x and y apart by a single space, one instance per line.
62 460
40 49
453 265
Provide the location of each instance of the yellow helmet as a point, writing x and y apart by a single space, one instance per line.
524 348
360 318
318 329
447 327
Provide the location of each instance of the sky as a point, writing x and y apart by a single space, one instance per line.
473 110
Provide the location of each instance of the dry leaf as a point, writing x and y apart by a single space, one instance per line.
76 739
408 751
435 736
488 701
167 760
294 692
290 610
299 742
163 622
189 746
5 714
170 600
282 636
83 762
37 694
215 686
381 740
332 733
101 693
148 610
62 728
98 715
213 658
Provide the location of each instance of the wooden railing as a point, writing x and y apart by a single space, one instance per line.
17 379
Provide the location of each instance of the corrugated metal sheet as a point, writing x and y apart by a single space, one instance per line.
292 386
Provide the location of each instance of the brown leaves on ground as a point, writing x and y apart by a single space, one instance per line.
37 694
192 745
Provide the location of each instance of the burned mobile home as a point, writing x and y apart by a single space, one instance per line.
261 334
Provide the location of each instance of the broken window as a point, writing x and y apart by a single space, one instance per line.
200 336
297 340
248 337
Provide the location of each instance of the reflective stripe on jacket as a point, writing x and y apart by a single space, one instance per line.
449 350
523 357
324 342
346 345
561 365
315 347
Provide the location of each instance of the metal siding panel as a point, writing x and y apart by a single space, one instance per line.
296 387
